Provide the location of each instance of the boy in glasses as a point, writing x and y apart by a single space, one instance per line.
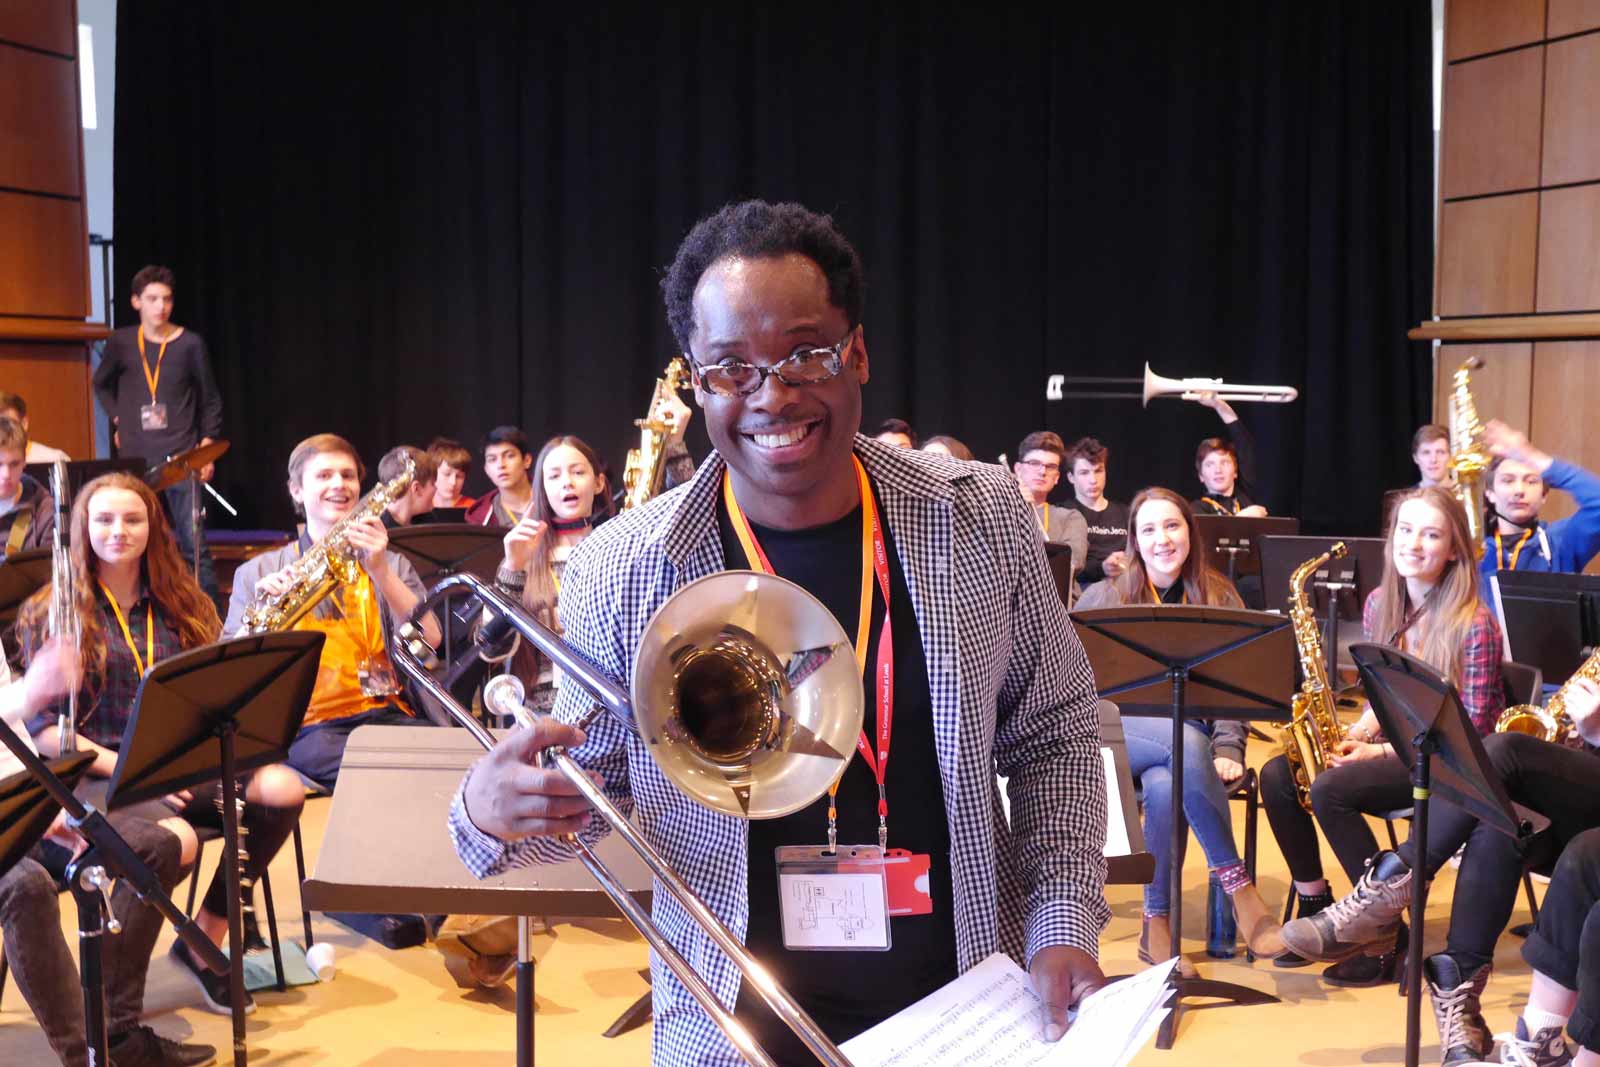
1042 456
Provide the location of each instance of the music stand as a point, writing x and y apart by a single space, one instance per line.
217 711
21 575
87 875
1551 620
1338 590
1191 662
81 472
1062 569
1411 700
1230 540
439 550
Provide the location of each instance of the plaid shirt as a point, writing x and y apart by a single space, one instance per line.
104 709
1480 682
1012 693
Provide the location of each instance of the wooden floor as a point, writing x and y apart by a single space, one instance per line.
387 1007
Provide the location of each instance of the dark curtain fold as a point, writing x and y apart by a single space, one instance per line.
396 223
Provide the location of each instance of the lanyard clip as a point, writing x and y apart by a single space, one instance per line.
883 833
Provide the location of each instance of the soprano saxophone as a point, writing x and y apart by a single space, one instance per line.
328 563
1313 735
1551 722
646 465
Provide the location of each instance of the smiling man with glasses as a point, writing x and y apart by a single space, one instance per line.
765 301
1041 458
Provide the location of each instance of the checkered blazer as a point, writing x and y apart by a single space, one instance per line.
1012 693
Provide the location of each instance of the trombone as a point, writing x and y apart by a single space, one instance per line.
745 694
1154 385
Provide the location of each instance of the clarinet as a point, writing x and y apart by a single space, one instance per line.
247 886
65 625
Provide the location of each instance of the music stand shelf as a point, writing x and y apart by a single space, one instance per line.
1190 662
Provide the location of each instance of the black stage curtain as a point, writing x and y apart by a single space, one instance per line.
396 223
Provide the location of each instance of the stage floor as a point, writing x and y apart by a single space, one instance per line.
393 1008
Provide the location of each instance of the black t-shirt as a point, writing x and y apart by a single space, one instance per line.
847 992
1108 533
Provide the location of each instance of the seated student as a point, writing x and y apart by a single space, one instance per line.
451 460
1227 466
1519 479
417 500
1107 522
896 432
13 406
27 510
1427 604
1166 565
507 459
1038 469
30 909
948 446
356 683
138 604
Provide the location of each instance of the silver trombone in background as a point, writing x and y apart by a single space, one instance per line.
747 697
1155 385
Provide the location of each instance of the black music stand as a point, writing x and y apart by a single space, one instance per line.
21 575
81 472
28 805
217 711
1551 621
1338 590
1230 540
1063 568
1191 662
439 550
1413 701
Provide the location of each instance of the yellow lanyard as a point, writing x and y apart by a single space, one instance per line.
1220 508
1516 551
127 635
1044 520
1157 593
152 379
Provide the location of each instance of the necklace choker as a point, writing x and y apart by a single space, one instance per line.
572 524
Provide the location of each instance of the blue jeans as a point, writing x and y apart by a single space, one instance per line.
1205 802
317 751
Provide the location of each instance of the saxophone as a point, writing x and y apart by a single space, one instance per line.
1469 460
1551 722
646 465
1313 735
329 562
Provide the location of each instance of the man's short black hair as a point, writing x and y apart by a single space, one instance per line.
151 275
759 229
507 435
896 426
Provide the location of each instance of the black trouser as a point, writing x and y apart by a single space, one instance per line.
30 916
1341 797
1565 944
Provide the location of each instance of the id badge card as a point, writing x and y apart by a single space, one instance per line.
153 416
833 902
377 679
906 877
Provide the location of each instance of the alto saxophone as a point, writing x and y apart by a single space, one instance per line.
1551 722
1469 460
1313 735
329 562
646 465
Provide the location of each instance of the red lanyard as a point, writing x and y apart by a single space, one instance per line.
874 562
1516 551
152 379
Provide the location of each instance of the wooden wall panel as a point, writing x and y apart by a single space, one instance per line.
1573 16
44 259
1566 383
1500 389
1569 237
47 24
1491 124
1473 27
39 122
1572 88
54 380
1487 252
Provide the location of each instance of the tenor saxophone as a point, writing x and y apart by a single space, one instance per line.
1313 735
1551 722
1469 459
646 465
328 563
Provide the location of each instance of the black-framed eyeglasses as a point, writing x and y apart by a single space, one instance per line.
1041 466
806 365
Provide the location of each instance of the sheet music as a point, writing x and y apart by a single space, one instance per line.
1117 843
991 1016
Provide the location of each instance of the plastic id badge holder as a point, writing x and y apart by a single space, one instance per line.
833 902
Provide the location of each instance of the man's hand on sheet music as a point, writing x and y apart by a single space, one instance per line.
1062 977
510 796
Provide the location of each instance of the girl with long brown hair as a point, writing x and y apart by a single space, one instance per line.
137 604
1167 566
1427 603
